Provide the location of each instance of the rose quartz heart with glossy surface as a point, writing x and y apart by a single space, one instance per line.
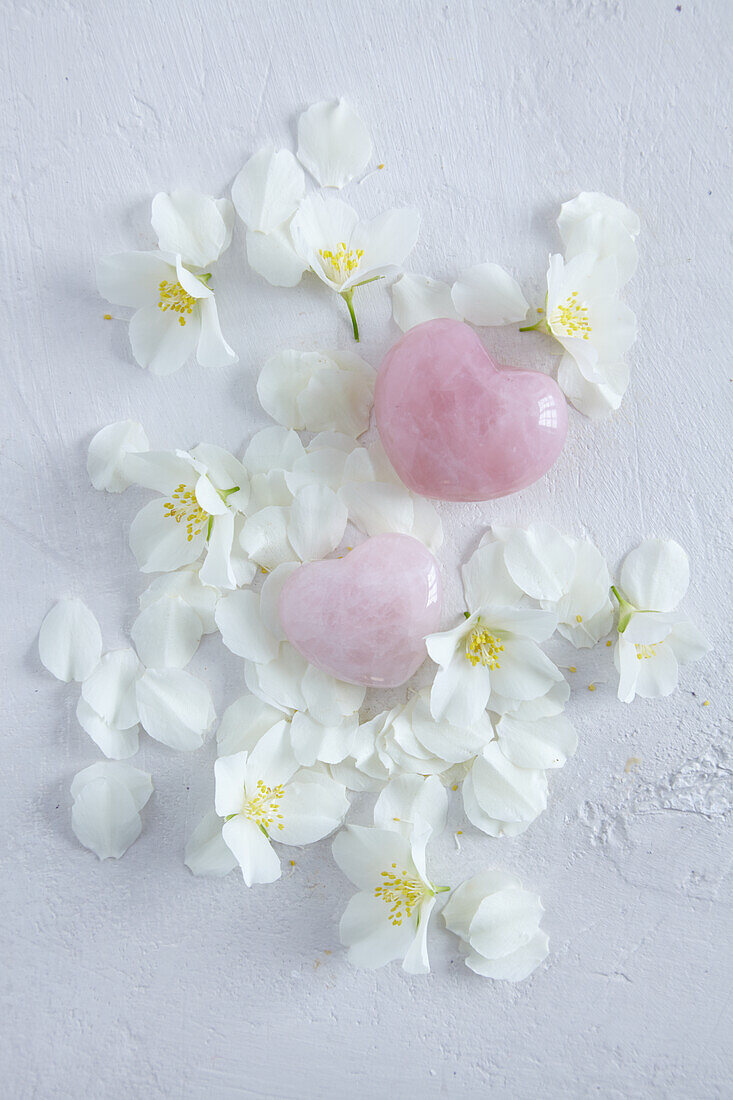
456 426
364 617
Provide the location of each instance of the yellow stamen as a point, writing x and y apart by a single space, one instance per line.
483 648
644 652
108 316
571 318
578 618
591 687
264 806
401 893
184 506
173 296
343 262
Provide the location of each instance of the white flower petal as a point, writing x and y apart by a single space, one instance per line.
504 792
544 743
242 630
466 898
410 799
273 256
515 967
370 936
605 236
138 783
539 560
687 643
387 241
418 298
339 398
116 744
70 641
219 569
416 959
192 225
160 544
107 451
279 681
594 401
212 350
104 818
329 700
362 854
333 143
460 692
313 741
273 449
243 723
656 575
160 342
110 688
270 596
505 921
524 671
206 853
317 522
589 203
264 537
486 580
133 278
229 775
281 381
187 584
377 508
252 850
268 189
167 633
320 224
175 708
162 471
486 294
313 806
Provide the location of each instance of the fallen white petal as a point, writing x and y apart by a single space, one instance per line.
107 451
418 298
175 708
110 688
206 853
486 294
116 744
242 629
167 633
70 641
268 189
333 143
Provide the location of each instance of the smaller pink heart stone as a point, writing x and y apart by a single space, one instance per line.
457 427
364 617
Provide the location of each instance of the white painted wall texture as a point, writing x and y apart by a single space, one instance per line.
134 979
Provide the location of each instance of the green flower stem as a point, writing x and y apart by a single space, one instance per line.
625 610
536 327
204 278
224 493
442 889
348 297
208 529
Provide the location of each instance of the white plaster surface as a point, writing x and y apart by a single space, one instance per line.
134 979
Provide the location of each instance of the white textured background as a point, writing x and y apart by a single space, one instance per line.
134 979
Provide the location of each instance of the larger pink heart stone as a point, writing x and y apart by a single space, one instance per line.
364 617
456 426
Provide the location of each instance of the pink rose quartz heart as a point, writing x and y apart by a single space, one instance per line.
364 617
457 427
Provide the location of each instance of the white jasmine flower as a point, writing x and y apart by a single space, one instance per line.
263 795
175 308
201 494
501 799
594 222
175 707
107 452
494 650
653 638
567 576
105 815
486 294
333 143
345 252
498 924
388 918
318 391
418 298
70 641
412 802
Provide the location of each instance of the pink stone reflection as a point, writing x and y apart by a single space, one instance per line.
456 426
364 618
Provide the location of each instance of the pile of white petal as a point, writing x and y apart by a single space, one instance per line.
222 533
